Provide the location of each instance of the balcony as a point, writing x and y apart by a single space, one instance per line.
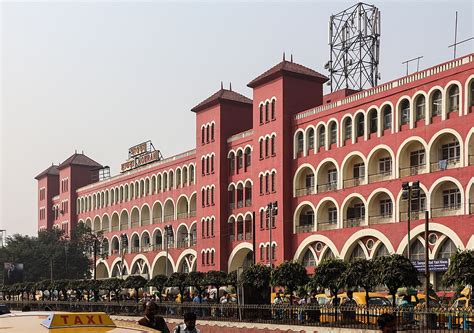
182 244
192 213
327 225
412 170
157 220
184 215
445 164
354 182
147 248
353 222
381 176
135 249
157 247
169 218
414 215
304 191
304 228
380 219
450 210
327 187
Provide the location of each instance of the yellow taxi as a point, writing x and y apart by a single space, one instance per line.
66 322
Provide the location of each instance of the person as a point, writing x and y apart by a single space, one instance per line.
151 318
387 323
278 301
189 325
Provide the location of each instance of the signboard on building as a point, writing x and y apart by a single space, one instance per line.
12 273
440 265
139 155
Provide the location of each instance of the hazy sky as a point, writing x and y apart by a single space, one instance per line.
103 76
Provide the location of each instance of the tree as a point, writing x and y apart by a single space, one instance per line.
198 281
178 280
291 275
461 270
159 282
217 279
112 285
361 273
257 277
329 274
135 282
43 286
395 271
61 286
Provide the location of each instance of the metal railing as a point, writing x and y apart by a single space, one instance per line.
157 220
378 177
147 248
354 182
182 244
327 187
192 213
304 191
135 249
304 228
183 215
157 247
446 210
412 170
353 222
327 225
414 215
380 219
443 164
168 218
440 319
135 223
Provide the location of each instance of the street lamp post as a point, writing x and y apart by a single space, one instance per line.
168 229
272 211
124 240
410 191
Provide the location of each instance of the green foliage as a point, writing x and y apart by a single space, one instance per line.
329 274
159 282
291 275
257 276
198 281
461 269
135 282
360 273
395 271
178 280
217 278
50 249
231 279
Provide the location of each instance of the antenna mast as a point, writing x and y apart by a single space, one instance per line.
354 40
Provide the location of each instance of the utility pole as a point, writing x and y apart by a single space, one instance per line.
167 231
410 191
427 267
254 244
272 211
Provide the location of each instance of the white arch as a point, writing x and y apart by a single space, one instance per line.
442 180
347 199
298 212
295 177
161 255
116 261
399 195
466 94
329 131
468 196
398 113
374 194
241 246
402 146
382 146
369 232
102 261
461 95
312 239
437 135
420 229
183 255
343 129
466 146
295 142
338 170
136 258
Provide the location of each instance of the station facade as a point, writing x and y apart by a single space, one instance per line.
334 164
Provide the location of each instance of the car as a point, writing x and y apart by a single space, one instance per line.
71 322
4 309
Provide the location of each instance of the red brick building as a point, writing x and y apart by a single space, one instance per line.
334 163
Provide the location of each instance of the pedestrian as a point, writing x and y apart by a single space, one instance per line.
387 323
152 319
189 325
278 301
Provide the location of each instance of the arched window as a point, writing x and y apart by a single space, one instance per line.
207 134
248 157
273 110
262 253
240 162
420 107
436 103
208 169
212 163
373 121
203 228
357 253
322 137
272 145
310 138
261 148
203 135
267 147
347 128
212 132
404 112
212 226
308 259
453 100
203 166
231 163
267 111
333 133
212 195
267 180
299 142
387 117
191 173
203 197
261 114
273 182
360 123
261 184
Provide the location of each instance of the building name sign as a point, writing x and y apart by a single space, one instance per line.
440 265
140 155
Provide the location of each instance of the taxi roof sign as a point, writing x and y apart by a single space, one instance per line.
78 319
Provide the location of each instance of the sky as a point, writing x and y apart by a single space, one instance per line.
102 76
